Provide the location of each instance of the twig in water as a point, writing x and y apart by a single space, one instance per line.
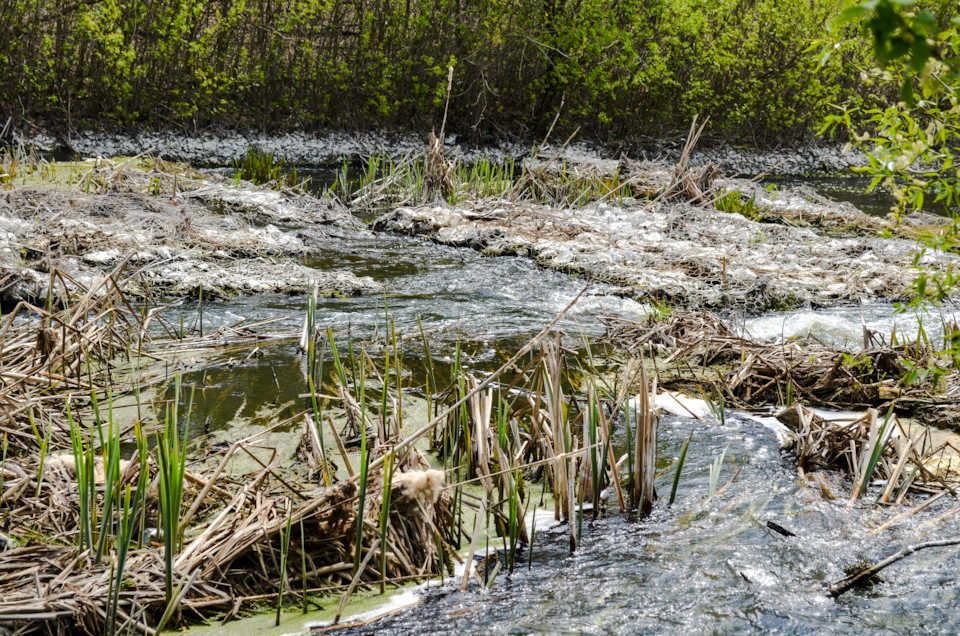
855 579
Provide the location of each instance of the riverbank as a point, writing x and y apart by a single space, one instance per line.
735 246
184 232
331 149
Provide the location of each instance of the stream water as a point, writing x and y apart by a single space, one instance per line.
700 566
712 566
488 305
853 189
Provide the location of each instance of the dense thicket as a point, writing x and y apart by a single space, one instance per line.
619 67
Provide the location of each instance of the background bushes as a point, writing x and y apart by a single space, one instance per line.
621 68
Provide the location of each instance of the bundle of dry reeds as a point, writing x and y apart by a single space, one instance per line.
870 448
758 372
692 184
74 346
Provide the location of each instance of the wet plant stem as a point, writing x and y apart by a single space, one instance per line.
284 553
676 473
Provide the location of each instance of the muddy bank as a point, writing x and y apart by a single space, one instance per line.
196 234
332 148
681 254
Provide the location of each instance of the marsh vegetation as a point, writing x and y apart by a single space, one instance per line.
404 457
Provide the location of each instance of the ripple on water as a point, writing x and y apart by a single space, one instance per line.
843 326
697 567
711 566
450 290
457 294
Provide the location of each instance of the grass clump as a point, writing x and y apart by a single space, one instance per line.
265 168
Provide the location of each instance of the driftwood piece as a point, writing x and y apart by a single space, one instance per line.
864 575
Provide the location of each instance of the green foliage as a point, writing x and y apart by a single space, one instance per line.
171 467
262 168
911 142
734 202
613 68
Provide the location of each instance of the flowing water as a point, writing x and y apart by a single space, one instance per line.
843 326
489 305
701 566
713 566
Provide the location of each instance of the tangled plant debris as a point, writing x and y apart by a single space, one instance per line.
699 349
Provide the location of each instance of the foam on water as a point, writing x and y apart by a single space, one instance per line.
843 326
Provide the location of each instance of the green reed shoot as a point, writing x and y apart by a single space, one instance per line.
44 442
397 354
303 565
876 453
515 518
503 426
83 458
676 473
385 394
111 470
353 364
718 407
171 460
338 365
906 484
461 380
431 378
369 176
385 518
128 514
593 417
630 459
605 444
341 184
116 570
311 330
284 553
458 513
715 473
312 372
364 462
